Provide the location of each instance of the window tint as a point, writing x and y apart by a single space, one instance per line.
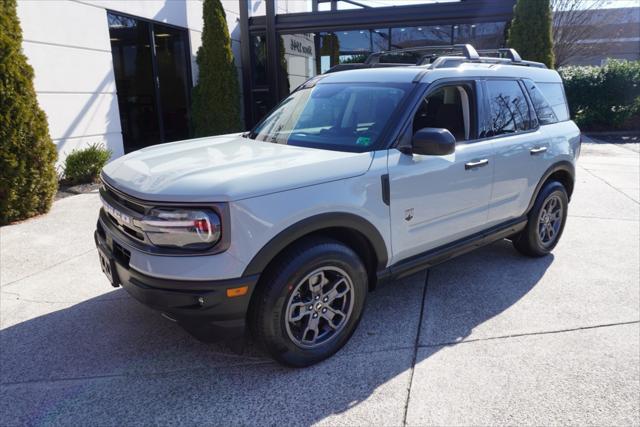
448 108
545 113
555 95
509 111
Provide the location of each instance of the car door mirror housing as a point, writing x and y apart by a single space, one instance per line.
433 142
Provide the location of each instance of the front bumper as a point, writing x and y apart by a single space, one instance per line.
201 307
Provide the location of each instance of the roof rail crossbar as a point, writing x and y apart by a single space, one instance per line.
469 51
511 54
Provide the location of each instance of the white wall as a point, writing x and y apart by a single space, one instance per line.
67 43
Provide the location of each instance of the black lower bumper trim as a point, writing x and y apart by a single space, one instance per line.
202 307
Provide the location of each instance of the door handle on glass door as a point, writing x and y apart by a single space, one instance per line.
476 164
537 150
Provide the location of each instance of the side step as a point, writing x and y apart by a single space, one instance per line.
435 256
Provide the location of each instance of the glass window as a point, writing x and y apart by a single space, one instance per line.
133 68
173 73
451 108
342 117
153 80
541 106
428 35
259 59
509 109
555 95
485 35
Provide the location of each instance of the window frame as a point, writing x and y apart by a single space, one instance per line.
532 113
403 140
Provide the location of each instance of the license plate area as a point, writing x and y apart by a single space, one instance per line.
108 266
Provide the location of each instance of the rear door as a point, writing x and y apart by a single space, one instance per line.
435 200
521 148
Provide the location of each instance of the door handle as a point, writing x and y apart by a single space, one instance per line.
537 150
476 164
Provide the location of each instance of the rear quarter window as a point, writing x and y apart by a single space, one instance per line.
544 111
554 93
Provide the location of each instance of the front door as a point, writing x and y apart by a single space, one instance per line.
152 72
439 199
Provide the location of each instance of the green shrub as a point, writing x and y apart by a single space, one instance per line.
28 179
604 98
84 166
530 31
216 96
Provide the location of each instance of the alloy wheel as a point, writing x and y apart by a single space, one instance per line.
550 220
319 307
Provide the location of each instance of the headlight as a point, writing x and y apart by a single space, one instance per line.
182 228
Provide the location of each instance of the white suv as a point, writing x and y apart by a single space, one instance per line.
358 177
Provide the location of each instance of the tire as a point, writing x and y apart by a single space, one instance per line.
546 222
289 316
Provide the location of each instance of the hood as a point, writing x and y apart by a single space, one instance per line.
227 168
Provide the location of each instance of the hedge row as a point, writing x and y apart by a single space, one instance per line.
604 98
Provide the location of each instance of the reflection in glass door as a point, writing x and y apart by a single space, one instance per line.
151 65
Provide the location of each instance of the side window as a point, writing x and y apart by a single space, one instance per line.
450 107
509 110
546 115
555 95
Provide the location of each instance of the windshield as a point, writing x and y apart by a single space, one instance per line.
342 117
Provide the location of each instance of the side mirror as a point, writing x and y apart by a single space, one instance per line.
433 142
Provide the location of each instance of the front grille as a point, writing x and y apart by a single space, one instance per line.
123 205
123 201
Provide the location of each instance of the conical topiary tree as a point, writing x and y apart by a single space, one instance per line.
216 99
28 179
530 31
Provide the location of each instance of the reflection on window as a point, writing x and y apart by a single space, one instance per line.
428 35
486 35
259 55
509 108
541 106
333 116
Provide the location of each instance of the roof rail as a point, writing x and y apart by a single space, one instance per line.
445 56
466 49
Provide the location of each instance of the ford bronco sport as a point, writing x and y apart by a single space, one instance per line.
359 176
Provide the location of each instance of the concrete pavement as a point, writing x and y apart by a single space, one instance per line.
487 338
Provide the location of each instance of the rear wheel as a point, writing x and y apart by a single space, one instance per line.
546 221
310 302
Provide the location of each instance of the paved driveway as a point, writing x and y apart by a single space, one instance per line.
488 338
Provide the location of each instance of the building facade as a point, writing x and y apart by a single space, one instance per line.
120 73
599 35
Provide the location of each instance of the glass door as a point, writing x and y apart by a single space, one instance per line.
153 80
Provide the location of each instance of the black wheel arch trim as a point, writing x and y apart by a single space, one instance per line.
313 224
563 165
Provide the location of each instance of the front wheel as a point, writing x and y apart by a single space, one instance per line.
546 222
310 302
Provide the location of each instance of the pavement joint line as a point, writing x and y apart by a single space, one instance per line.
47 268
607 182
265 362
415 348
603 218
527 334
